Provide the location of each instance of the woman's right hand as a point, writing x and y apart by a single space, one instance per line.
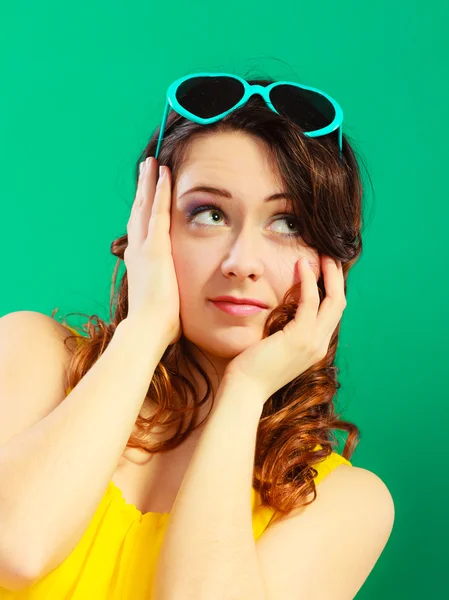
153 295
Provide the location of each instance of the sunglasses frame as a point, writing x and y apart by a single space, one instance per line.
250 90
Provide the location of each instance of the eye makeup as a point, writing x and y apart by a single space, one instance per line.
197 209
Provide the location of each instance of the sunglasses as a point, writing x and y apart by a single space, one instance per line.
208 97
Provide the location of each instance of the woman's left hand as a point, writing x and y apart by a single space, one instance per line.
281 357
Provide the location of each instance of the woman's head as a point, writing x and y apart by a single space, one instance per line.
243 246
244 250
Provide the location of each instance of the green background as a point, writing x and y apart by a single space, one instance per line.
83 87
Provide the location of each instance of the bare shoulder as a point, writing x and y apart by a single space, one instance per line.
351 485
360 474
352 475
345 528
33 326
33 369
345 484
360 483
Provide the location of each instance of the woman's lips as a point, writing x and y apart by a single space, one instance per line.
239 310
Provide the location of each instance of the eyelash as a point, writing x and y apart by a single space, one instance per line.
199 209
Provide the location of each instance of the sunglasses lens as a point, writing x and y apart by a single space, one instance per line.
310 110
209 96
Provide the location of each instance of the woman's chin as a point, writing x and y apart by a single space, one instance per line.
227 343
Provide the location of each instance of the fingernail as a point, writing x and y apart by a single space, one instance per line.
305 261
141 167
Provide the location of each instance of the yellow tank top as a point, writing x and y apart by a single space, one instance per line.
116 557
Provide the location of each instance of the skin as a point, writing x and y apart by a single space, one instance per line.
237 253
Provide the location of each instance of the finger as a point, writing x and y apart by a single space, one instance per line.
149 186
333 304
140 193
141 210
159 221
142 167
162 198
138 198
309 299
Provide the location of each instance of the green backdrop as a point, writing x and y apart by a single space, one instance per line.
83 86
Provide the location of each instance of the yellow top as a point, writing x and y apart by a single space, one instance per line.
115 559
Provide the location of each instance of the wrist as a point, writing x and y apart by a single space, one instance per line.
143 334
237 388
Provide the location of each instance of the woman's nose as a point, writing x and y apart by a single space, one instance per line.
243 258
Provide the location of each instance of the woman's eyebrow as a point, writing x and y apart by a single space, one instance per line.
227 194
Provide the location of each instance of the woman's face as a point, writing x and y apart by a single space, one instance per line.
238 248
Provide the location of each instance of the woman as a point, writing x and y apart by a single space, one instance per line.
211 390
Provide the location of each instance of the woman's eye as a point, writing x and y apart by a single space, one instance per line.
214 214
202 209
290 221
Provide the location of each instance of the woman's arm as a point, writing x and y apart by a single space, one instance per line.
54 474
208 551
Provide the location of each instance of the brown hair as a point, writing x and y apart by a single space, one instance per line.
295 429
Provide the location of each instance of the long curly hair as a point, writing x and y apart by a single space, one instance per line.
296 426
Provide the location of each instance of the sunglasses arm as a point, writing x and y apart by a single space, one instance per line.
340 142
162 128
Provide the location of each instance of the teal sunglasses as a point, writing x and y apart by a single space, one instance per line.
208 97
